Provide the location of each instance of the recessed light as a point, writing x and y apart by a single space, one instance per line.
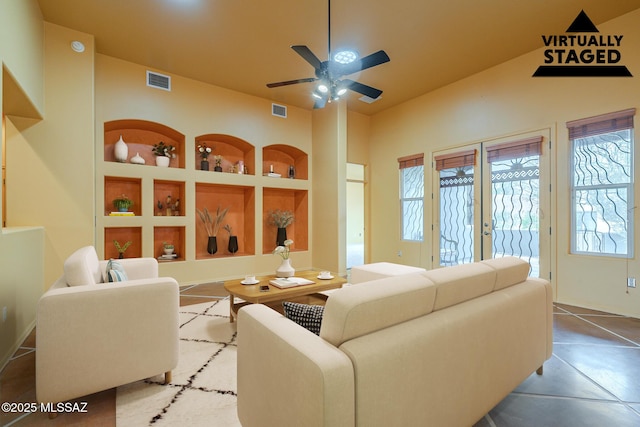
77 46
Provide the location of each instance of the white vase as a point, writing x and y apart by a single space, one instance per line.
162 161
285 269
137 159
121 151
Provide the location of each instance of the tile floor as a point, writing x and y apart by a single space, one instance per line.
592 379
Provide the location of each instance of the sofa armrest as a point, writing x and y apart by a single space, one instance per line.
95 337
136 268
271 348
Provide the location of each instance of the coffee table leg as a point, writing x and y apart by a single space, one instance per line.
231 313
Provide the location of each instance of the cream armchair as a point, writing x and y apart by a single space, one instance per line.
92 335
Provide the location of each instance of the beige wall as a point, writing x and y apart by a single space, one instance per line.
21 40
501 101
51 160
21 91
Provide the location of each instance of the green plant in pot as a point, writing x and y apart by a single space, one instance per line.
122 203
168 248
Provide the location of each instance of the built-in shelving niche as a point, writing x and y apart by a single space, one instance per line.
240 200
279 158
295 201
123 235
232 150
140 137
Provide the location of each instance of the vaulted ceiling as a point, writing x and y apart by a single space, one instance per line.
244 44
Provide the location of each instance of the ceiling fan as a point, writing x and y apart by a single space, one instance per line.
329 74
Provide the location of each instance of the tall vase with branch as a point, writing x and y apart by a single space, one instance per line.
233 240
212 225
281 219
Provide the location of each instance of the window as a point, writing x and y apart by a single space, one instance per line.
412 197
602 184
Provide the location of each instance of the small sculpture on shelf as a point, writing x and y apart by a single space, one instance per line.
212 225
164 153
218 166
121 248
172 209
204 151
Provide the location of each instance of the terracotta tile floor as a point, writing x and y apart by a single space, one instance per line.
592 379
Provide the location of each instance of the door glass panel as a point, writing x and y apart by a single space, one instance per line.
456 216
515 198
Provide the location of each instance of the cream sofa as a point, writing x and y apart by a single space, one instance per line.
92 336
439 348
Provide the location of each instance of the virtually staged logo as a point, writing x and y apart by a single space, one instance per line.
582 55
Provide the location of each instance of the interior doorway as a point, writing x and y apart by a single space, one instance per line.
355 215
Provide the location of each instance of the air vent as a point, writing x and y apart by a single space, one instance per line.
159 81
279 110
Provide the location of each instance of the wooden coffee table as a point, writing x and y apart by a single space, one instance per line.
251 294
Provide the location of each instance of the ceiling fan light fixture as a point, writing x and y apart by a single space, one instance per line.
316 95
341 91
323 88
345 56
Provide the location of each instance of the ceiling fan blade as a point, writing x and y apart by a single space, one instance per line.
308 56
369 91
376 58
292 82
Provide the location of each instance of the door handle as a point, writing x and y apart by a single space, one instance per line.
486 233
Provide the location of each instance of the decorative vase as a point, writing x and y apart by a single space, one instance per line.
281 236
163 161
212 245
121 151
233 244
120 255
218 168
137 159
204 165
285 269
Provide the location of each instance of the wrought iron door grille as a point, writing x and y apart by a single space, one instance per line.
515 199
456 216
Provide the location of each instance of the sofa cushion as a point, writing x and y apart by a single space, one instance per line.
380 270
306 315
509 271
82 267
115 272
461 283
354 311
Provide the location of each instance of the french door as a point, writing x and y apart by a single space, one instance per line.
491 200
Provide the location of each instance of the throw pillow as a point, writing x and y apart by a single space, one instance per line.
305 315
115 272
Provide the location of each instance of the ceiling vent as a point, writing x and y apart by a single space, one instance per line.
279 110
159 81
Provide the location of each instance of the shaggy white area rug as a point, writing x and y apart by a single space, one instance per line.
203 388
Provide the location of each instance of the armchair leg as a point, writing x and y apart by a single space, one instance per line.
539 370
167 377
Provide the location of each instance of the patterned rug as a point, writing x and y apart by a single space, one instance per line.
203 388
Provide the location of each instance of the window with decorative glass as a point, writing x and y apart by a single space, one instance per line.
412 197
602 184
